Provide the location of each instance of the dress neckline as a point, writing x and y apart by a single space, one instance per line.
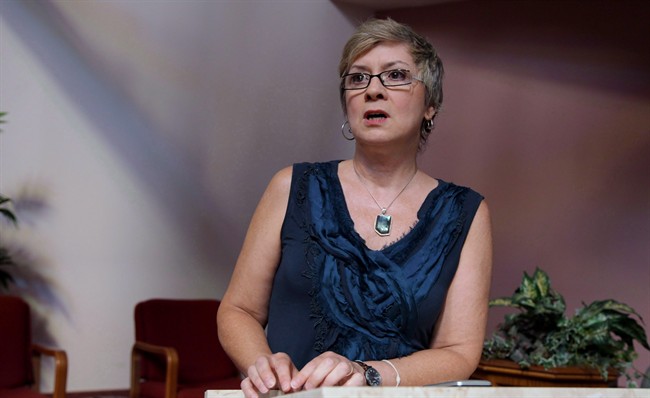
346 218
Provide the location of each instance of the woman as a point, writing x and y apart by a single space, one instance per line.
365 271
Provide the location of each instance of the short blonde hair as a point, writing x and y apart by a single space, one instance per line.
375 31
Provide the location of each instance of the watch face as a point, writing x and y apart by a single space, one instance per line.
373 378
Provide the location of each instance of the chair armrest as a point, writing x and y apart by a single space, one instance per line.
171 375
60 368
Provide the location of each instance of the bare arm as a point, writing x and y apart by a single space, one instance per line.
244 309
458 339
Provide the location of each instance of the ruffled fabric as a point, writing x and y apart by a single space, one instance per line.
364 303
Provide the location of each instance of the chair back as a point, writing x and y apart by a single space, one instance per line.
190 326
15 343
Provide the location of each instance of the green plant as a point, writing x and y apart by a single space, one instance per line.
600 335
5 259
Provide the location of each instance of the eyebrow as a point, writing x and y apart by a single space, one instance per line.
386 66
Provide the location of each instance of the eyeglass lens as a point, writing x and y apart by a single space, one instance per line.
389 78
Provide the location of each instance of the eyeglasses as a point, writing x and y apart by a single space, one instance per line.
389 78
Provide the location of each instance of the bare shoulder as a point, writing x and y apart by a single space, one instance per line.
277 191
260 253
476 256
482 223
282 179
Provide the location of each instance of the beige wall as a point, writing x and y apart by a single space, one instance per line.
143 134
140 137
547 113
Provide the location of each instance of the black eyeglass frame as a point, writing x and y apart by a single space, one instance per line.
379 76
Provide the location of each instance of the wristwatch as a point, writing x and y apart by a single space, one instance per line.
373 378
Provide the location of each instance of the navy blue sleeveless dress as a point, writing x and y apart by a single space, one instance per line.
332 293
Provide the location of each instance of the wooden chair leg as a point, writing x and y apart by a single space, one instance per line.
134 392
60 374
171 374
60 369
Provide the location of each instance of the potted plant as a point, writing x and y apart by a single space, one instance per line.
5 259
539 342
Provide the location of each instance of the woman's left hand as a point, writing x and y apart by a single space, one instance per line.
328 369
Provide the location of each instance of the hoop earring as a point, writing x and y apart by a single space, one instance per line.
428 125
351 137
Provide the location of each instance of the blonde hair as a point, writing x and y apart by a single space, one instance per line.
376 31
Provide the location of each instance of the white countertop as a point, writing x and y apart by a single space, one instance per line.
450 392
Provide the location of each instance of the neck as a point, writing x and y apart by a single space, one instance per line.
384 171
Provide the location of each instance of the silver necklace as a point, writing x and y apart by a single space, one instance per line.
383 220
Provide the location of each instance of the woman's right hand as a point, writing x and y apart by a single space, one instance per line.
269 372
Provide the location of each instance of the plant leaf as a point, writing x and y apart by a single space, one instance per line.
7 213
542 282
600 335
502 302
628 330
10 215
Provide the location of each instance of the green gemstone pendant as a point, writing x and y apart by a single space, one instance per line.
382 224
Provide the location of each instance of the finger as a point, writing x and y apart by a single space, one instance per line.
356 379
316 370
247 388
321 371
298 380
266 369
341 373
284 370
256 378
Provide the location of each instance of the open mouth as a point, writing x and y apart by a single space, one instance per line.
375 115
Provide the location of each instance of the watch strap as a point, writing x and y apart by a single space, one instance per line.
373 377
364 365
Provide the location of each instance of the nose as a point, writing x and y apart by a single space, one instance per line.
375 89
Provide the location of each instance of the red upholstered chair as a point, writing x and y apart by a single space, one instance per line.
177 353
20 358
